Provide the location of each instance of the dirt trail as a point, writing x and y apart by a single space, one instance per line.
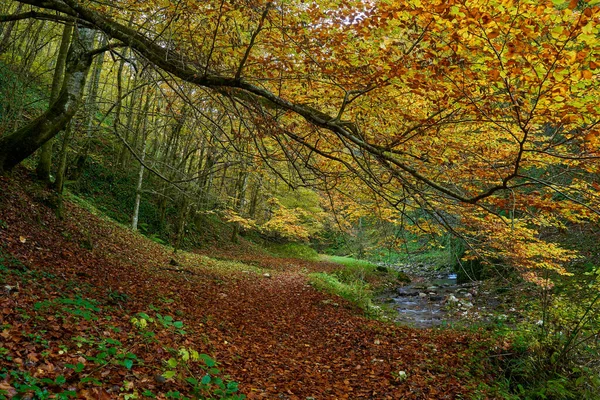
277 336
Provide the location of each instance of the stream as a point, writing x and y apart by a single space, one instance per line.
431 301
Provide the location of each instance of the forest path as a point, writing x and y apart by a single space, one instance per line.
274 334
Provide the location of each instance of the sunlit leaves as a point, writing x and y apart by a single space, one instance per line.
432 106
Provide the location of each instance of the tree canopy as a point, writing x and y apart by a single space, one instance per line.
482 115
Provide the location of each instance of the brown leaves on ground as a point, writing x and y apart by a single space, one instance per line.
278 337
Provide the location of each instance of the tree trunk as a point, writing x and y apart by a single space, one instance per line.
7 31
45 162
180 233
138 189
61 172
17 146
91 108
240 200
133 100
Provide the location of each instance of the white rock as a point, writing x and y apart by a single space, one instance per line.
452 299
402 375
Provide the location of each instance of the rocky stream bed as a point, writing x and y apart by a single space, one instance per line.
433 298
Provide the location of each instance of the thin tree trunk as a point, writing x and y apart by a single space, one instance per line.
254 198
117 120
138 189
45 162
124 154
180 234
240 200
7 31
17 146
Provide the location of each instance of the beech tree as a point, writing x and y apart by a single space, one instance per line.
23 142
482 113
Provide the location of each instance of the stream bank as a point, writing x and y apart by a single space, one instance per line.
433 298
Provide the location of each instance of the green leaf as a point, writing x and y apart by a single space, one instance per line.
169 374
178 324
192 381
128 363
206 380
208 360
87 379
77 368
184 354
172 363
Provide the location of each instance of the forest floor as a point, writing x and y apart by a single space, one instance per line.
70 290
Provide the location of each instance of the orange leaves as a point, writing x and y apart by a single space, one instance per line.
593 138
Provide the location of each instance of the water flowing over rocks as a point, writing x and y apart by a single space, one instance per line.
433 298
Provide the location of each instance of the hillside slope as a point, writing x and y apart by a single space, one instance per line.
71 288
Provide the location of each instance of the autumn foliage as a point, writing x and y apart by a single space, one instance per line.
482 114
80 287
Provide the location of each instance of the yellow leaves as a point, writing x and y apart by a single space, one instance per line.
234 218
557 32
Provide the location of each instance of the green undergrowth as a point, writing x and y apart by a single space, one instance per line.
18 95
352 270
77 343
293 250
357 281
555 352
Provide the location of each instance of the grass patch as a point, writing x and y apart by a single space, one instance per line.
378 277
224 267
293 250
357 281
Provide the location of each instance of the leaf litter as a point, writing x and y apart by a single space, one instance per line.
76 285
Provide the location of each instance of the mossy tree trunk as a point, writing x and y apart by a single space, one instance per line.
45 162
16 146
